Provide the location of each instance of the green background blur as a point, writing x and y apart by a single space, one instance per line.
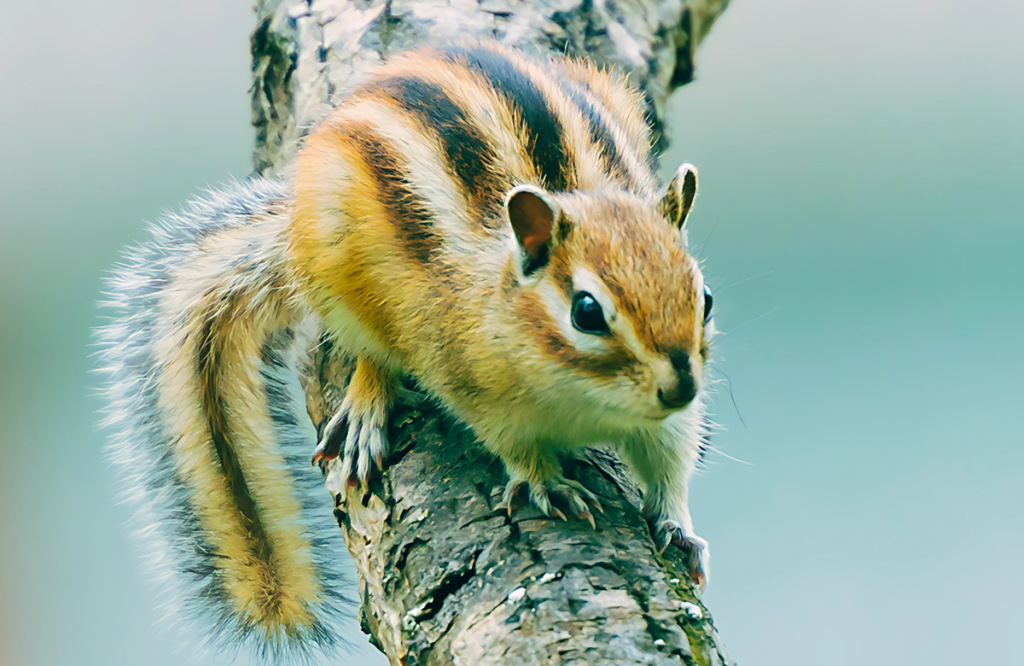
861 219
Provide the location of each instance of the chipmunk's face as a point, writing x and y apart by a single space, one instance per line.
612 295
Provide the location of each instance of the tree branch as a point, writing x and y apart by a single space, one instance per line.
306 52
445 576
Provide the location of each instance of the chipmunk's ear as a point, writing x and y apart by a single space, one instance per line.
677 202
535 220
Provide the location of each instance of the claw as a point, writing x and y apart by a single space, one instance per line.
669 532
323 452
356 436
540 499
584 492
569 495
508 498
329 447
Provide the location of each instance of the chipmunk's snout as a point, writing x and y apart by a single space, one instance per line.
679 388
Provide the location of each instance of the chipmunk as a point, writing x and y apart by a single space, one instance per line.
486 222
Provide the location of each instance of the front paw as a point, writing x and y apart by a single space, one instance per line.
357 435
669 532
548 495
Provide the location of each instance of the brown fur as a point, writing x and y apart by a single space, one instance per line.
465 315
400 241
439 312
224 439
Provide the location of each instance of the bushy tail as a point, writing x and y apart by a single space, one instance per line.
207 427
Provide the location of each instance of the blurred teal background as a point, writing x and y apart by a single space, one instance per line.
861 220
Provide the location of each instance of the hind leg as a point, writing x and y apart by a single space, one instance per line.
358 432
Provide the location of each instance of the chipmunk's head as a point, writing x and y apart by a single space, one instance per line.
610 293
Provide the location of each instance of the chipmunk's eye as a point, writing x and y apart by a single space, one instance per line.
708 302
587 315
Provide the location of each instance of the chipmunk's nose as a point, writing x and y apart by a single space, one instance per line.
681 389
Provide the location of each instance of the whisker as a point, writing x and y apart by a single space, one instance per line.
751 321
704 246
732 396
726 455
739 282
324 340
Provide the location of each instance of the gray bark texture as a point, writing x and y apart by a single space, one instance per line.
445 576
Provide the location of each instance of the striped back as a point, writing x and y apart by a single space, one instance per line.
470 122
399 219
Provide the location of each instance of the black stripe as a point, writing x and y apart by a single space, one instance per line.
643 152
466 149
409 213
599 118
209 360
542 126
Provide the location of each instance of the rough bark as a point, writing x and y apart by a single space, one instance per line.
307 52
446 577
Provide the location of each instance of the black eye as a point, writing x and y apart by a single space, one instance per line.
708 302
587 315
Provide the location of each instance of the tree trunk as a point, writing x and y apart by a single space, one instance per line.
445 576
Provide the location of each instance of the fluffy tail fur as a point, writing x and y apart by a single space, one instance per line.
206 427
